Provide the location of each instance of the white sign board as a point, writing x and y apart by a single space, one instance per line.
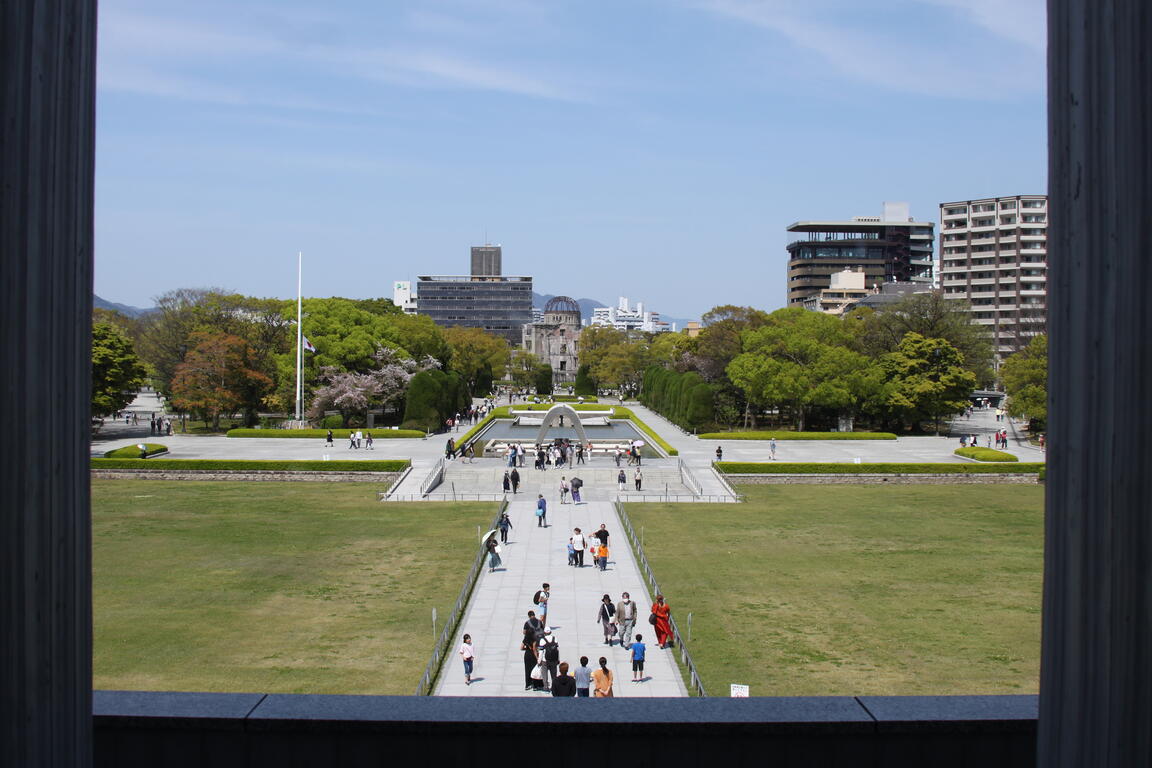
739 691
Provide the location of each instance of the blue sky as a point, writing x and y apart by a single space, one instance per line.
650 148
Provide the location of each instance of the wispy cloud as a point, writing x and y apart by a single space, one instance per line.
159 57
896 56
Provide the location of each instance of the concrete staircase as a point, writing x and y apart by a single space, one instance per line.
486 476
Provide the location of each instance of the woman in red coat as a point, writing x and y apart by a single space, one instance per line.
661 611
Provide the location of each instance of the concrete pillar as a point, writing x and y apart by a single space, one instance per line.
1096 670
47 152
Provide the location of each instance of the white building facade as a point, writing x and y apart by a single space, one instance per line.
623 317
994 254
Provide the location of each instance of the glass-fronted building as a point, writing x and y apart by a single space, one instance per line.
889 248
500 304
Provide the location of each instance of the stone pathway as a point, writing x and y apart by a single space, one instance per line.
501 601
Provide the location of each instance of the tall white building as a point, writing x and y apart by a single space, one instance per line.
622 317
403 297
994 254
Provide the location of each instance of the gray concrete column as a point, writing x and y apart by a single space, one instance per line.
1096 669
47 153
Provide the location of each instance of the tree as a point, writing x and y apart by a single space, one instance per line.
476 355
720 340
584 384
117 373
543 379
928 378
932 316
1025 377
800 360
352 393
215 375
522 369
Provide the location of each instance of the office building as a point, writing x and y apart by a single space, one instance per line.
891 247
555 338
403 297
994 254
500 304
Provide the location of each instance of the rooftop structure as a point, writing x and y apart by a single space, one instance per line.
892 247
500 304
622 317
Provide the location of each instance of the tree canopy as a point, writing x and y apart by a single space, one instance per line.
117 373
1025 377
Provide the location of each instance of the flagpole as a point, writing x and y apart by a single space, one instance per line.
299 336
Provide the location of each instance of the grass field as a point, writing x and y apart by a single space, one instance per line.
851 590
271 587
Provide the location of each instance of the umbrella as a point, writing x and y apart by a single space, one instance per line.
484 538
638 443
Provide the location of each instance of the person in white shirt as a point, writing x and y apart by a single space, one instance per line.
578 545
468 655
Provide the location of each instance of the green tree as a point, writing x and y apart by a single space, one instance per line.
932 316
478 356
585 385
720 340
543 379
1025 377
117 373
927 379
800 360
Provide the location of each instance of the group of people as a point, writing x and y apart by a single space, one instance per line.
557 454
467 453
157 425
631 455
637 478
596 545
356 440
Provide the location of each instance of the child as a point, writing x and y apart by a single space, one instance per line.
468 654
571 554
638 649
602 556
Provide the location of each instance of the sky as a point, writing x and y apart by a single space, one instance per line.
655 149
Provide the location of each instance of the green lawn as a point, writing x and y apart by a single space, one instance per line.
271 587
851 590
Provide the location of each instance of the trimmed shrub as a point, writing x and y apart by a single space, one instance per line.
574 398
543 375
320 434
333 421
584 384
889 468
422 408
797 436
132 452
984 454
394 465
701 406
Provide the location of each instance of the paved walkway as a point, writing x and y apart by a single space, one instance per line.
501 601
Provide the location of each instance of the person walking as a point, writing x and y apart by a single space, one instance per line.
563 684
576 484
604 615
450 449
368 441
541 598
541 511
601 556
328 440
515 478
638 478
622 480
583 678
359 439
493 553
638 650
772 448
580 453
351 440
602 680
468 655
563 491
617 455
659 619
550 649
505 525
602 534
528 646
625 619
719 453
507 482
578 545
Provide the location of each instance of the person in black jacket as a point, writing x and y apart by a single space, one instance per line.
563 684
551 650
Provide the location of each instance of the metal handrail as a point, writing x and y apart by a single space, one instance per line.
637 547
688 478
434 478
428 679
681 498
724 482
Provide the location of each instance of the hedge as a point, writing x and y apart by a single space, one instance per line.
320 434
797 436
132 452
888 468
574 398
393 465
502 412
984 454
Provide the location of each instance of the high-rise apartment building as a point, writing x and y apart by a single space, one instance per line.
994 254
500 304
888 248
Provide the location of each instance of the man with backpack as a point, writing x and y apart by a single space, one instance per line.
541 600
541 511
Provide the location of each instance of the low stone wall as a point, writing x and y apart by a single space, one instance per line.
887 479
387 478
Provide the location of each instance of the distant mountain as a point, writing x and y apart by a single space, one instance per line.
123 309
586 305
